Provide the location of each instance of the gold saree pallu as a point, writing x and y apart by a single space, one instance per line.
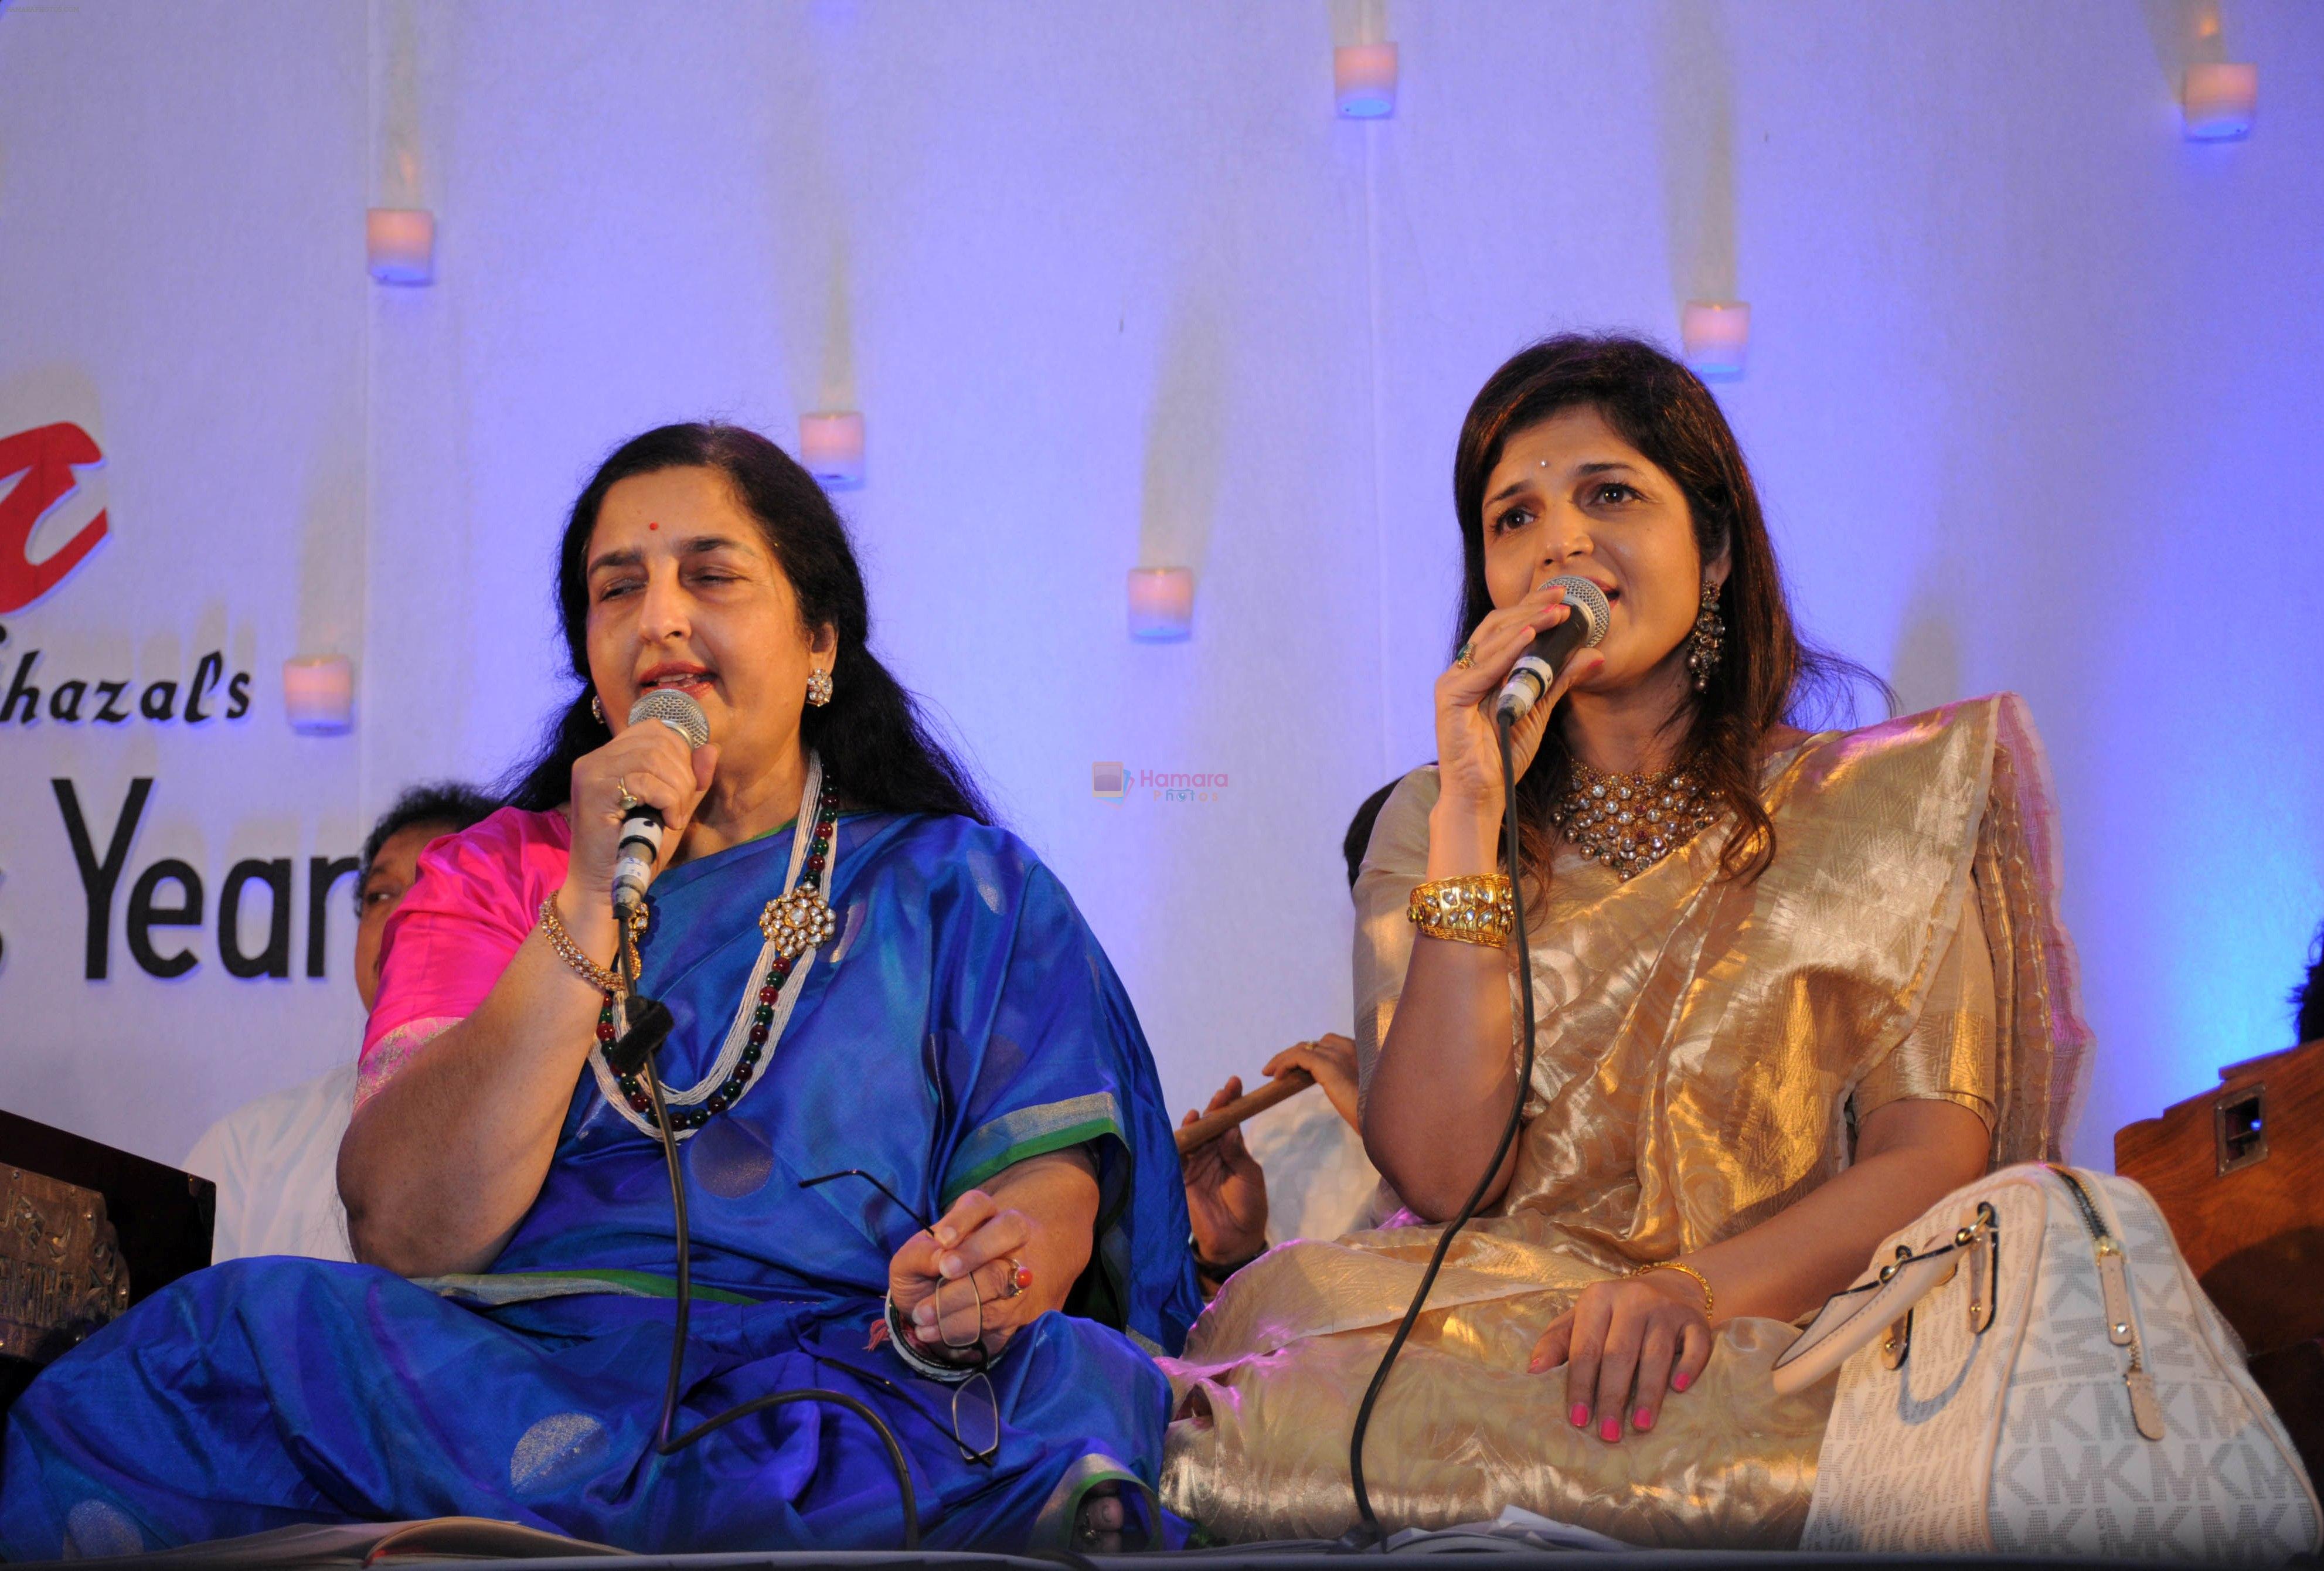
1703 1047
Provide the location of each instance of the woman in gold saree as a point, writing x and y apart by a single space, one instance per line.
1790 988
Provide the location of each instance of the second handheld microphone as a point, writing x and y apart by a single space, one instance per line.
641 844
1537 669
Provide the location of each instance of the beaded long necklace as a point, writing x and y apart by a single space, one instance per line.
1630 822
795 924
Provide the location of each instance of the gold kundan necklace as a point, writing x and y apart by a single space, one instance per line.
1630 822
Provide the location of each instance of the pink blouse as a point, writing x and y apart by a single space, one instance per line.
477 896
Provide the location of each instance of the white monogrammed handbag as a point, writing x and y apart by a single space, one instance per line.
2033 1370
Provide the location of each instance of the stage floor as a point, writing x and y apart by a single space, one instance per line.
1284 1558
486 1546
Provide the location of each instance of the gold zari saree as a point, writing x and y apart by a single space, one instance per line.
1703 1049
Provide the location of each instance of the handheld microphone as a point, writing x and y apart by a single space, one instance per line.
1583 627
641 844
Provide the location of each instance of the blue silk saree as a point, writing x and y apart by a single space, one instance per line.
961 1019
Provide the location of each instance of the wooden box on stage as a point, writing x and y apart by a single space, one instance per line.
85 1230
2239 1173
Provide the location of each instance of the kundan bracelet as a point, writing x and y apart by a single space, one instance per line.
1475 908
561 944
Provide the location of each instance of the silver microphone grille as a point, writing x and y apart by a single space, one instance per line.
1588 603
682 714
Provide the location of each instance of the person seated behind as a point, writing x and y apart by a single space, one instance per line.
912 1109
2307 998
1789 990
1298 1169
1271 1169
275 1160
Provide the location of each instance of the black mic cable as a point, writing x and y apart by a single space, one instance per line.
653 1029
1368 1535
648 1026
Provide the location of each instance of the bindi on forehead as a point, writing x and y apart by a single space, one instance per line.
650 525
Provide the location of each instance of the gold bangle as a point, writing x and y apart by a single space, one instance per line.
1710 1300
1475 908
561 944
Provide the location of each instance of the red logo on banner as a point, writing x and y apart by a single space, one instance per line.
45 457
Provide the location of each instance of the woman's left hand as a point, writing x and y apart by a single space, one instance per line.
1226 1191
977 1244
1624 1343
1331 1058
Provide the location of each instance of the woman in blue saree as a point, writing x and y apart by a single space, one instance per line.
925 1162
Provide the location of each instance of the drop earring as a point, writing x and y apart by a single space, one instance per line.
597 708
1705 643
818 687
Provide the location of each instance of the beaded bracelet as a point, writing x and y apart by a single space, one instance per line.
1219 1270
561 944
1476 909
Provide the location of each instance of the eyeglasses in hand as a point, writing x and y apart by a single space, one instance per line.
960 1324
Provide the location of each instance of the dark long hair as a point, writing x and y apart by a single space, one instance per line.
877 750
1766 674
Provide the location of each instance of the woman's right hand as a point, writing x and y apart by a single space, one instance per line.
1468 745
653 763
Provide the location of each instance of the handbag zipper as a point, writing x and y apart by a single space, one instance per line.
2121 1329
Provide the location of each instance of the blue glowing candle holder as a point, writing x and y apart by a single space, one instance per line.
831 448
399 244
1363 80
318 694
1161 604
1714 337
2220 101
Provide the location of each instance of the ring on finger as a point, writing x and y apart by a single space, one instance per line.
625 802
1019 1278
1466 656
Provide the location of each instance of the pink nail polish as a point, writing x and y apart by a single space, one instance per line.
1642 1420
1581 1415
1679 1383
1612 1429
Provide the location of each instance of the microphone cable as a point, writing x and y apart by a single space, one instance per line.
1368 1534
643 1040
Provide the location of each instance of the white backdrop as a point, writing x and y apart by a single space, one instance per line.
2032 398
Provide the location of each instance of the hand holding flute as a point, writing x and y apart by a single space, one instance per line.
1329 1062
1226 1190
1198 1132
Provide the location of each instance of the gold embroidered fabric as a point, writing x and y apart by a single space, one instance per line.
1703 1048
1948 1055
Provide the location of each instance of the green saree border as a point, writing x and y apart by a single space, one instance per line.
1029 1132
492 1290
1053 1528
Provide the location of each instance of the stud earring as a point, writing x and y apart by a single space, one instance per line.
597 709
1704 644
818 687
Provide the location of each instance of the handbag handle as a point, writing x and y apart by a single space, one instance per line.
1848 1321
